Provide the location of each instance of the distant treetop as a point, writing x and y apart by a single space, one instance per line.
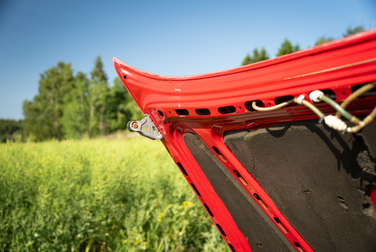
287 48
98 73
323 40
256 57
352 31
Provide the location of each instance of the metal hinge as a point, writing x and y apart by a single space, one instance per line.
145 128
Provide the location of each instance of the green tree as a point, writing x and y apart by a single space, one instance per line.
8 129
247 60
323 40
43 115
259 56
121 107
97 100
256 57
98 74
75 112
287 48
351 31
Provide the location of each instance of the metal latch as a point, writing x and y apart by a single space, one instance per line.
145 128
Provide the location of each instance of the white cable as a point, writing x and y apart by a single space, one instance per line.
315 96
300 99
335 123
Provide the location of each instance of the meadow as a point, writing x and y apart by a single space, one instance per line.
123 194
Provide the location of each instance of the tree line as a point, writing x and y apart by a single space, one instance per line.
76 106
287 47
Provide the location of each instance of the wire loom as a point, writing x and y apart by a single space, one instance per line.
334 122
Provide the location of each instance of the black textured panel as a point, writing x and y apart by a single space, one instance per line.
317 178
258 229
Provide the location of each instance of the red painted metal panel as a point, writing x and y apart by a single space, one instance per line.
372 195
337 66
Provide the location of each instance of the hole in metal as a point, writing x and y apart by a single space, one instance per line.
298 247
182 112
182 169
208 209
371 92
240 177
219 154
193 186
203 111
248 105
221 230
330 94
227 110
281 225
160 113
281 99
124 77
262 203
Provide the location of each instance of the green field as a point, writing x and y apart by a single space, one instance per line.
99 195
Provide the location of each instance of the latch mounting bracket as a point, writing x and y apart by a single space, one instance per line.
146 128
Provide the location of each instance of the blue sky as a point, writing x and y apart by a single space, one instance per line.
161 37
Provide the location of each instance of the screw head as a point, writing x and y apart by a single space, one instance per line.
134 125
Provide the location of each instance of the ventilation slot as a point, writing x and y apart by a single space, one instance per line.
182 112
371 92
203 111
298 247
281 225
221 230
208 209
281 99
248 105
240 177
182 169
219 154
194 188
231 247
227 110
262 203
330 94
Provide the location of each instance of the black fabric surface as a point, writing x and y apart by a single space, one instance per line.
257 228
317 178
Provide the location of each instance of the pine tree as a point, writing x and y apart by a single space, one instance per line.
43 115
98 73
97 100
256 57
352 31
323 40
260 56
287 48
247 60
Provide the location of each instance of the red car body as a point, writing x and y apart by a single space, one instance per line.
223 147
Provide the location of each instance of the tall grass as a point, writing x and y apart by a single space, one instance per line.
98 195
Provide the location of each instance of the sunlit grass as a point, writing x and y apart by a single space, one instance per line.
98 195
